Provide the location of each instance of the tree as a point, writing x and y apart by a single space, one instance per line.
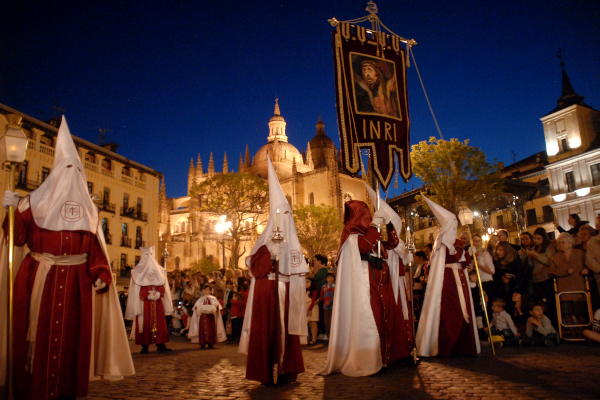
205 265
456 173
319 229
242 198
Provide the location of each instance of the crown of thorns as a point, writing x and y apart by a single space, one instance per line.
370 63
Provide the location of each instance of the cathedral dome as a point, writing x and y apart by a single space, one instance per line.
287 152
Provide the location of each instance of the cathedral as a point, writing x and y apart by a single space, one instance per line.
310 177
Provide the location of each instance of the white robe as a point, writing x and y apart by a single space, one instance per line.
194 324
354 347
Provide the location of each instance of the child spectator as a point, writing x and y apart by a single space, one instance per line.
237 319
312 309
539 329
502 324
327 299
518 315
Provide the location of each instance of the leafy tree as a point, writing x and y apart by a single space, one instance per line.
204 265
242 198
319 229
455 173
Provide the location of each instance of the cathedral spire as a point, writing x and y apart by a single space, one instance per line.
568 96
277 112
199 171
211 165
309 160
225 165
320 127
247 160
191 176
241 164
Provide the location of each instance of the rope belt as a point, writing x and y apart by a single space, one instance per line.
456 269
46 261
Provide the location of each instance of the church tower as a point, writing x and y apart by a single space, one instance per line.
322 148
277 126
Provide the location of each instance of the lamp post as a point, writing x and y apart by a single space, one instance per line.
465 215
13 145
165 256
222 228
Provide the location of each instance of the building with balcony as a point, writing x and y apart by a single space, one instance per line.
125 192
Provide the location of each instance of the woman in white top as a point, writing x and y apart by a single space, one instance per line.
486 266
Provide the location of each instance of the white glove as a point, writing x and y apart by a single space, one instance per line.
380 217
10 199
154 295
99 284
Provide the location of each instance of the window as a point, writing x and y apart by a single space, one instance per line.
124 228
183 227
23 174
570 178
106 164
176 262
595 174
138 231
139 205
123 260
563 144
548 214
45 173
89 157
126 171
104 226
90 187
500 221
106 196
531 217
125 201
311 199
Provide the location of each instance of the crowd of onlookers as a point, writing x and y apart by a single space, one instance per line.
528 285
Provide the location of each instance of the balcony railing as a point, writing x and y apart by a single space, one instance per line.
506 225
139 243
91 166
106 206
107 172
541 219
28 185
134 213
46 149
125 242
126 179
140 184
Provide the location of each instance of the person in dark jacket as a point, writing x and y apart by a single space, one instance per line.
574 221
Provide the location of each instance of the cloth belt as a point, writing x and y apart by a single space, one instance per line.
282 278
456 269
46 261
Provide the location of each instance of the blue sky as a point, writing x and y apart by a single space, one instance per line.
172 79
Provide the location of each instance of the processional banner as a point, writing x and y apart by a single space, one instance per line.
372 103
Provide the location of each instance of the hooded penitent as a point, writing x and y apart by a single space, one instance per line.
291 261
427 338
147 273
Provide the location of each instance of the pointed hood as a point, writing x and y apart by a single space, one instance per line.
62 202
394 217
292 260
447 233
148 272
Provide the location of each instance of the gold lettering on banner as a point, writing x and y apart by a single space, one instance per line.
361 32
396 43
395 133
387 126
376 130
345 28
365 129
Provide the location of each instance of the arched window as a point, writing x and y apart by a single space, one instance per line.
104 225
311 198
124 228
183 227
289 199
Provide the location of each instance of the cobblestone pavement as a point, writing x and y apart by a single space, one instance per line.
569 371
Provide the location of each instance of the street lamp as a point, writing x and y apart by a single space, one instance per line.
465 215
222 227
13 145
165 256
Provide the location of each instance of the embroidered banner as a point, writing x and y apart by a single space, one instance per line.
372 102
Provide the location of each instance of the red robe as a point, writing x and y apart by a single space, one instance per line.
154 317
395 335
64 333
263 341
456 336
207 331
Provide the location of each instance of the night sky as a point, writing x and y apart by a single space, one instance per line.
172 79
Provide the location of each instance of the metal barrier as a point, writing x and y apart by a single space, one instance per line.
561 324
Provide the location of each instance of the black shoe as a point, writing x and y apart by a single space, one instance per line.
144 349
162 348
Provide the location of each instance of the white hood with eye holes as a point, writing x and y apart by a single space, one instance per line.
62 202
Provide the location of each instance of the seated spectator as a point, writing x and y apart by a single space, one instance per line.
594 333
502 324
518 314
539 330
568 265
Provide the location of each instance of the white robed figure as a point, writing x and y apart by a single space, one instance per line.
448 296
